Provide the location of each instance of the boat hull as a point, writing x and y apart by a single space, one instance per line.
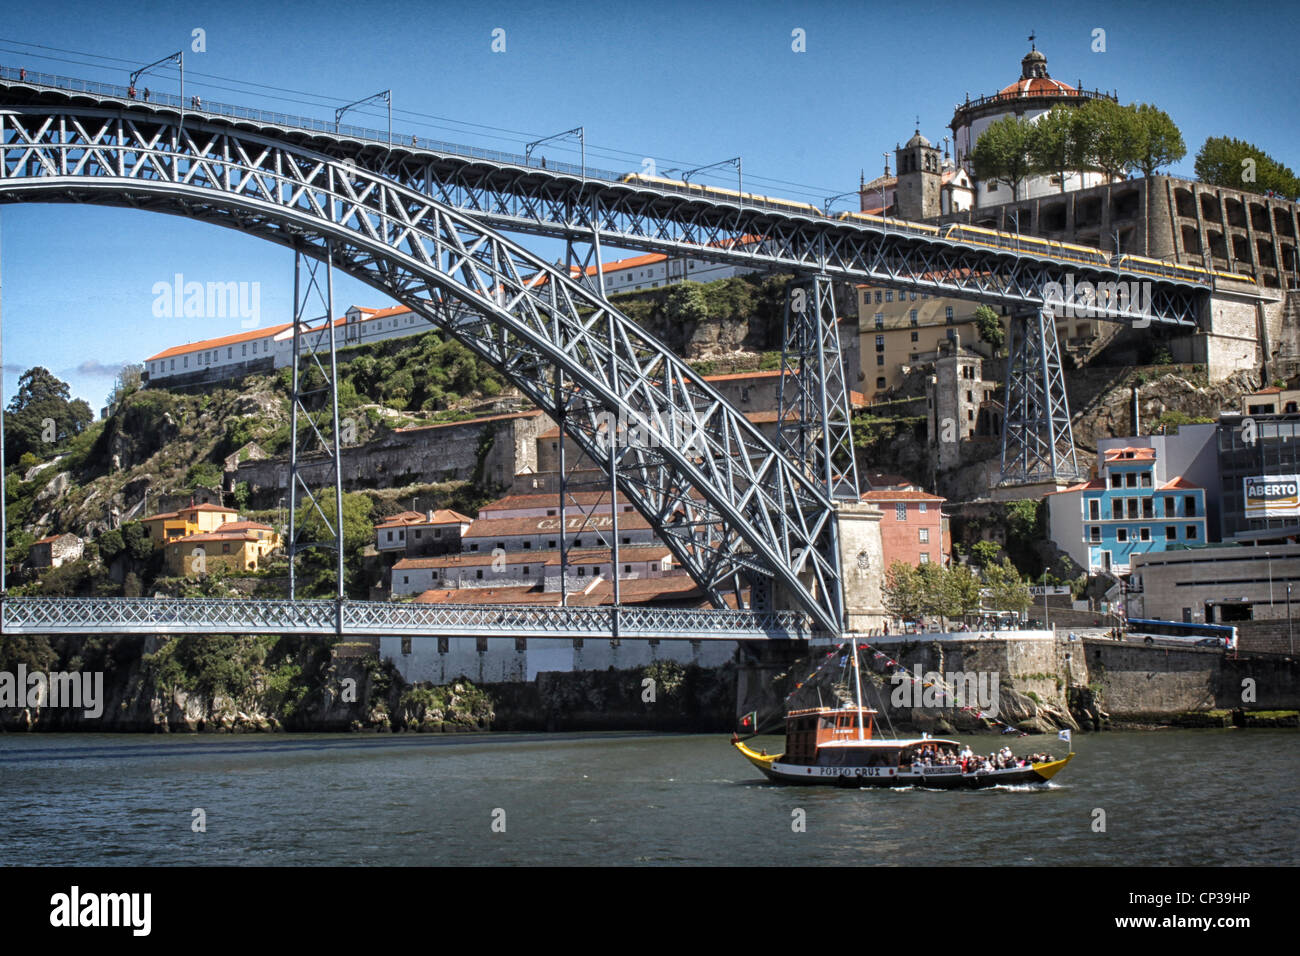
932 779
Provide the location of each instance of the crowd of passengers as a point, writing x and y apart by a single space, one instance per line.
930 756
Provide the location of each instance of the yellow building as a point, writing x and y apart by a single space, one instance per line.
898 326
236 546
196 519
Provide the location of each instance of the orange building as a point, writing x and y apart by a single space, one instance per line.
195 519
235 546
913 528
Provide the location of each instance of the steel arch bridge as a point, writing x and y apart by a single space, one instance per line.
732 509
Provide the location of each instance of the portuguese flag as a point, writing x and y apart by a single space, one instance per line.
750 721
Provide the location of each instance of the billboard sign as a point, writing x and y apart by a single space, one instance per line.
1273 496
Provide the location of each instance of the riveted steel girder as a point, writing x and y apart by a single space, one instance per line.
721 496
1037 442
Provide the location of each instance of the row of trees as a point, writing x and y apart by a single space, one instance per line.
952 592
1100 136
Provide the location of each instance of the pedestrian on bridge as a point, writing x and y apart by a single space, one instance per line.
130 91
146 94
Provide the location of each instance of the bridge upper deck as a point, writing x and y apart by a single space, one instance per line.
529 194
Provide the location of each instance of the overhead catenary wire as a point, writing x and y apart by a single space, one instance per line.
429 120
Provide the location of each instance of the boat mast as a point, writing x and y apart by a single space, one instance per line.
857 679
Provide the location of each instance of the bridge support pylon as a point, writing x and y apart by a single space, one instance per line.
315 401
1037 442
813 422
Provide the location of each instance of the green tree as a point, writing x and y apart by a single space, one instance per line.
1009 591
1002 153
984 553
317 568
989 326
1059 143
686 305
42 417
902 591
1237 164
959 591
1158 143
1108 137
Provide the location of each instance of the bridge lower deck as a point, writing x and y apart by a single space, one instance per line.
52 616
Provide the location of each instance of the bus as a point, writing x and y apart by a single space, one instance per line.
1200 635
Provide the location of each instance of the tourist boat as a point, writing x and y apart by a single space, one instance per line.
837 746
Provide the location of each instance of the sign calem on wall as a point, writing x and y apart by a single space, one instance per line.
1273 496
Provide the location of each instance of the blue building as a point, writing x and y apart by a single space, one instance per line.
1129 508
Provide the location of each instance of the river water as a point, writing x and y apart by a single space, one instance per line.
1202 797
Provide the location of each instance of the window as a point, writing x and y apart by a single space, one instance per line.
243 349
1132 507
880 382
880 359
577 543
1171 506
479 574
880 342
1191 532
889 295
1130 480
916 336
947 314
913 296
390 537
406 579
230 352
921 507
880 320
879 296
525 569
1094 534
501 545
406 645
1171 533
1189 505
1115 481
900 512
1144 534
1146 479
1094 509
550 544
952 335
924 537
925 557
912 317
1117 508
1121 534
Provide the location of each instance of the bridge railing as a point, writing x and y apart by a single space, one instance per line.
50 615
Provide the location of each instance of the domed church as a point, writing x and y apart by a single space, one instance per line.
1034 94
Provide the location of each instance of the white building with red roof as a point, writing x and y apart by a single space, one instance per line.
1029 97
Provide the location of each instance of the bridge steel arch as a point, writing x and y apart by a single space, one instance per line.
726 502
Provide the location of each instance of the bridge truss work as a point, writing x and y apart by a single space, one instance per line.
419 224
738 515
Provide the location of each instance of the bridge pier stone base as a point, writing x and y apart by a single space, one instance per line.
862 564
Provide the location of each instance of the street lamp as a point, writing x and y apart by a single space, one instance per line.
386 96
1290 631
1269 557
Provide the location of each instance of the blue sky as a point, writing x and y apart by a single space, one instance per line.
683 83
